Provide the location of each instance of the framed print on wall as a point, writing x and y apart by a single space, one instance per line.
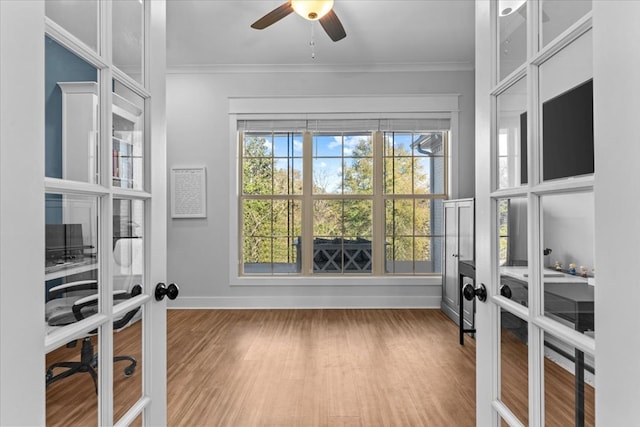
188 192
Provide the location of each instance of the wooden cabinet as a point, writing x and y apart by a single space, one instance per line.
459 231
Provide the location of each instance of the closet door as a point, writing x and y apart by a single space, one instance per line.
450 294
459 246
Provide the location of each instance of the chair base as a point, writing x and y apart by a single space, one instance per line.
88 363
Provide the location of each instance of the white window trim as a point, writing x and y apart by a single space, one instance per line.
444 106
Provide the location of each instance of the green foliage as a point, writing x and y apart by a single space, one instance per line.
357 177
269 226
257 167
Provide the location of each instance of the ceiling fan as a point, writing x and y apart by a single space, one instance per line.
313 10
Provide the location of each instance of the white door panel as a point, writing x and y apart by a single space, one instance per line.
537 343
83 192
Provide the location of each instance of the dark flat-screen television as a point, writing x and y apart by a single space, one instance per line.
567 133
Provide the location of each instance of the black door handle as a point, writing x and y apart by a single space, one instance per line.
470 292
170 291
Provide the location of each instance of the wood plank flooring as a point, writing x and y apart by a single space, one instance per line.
318 368
315 368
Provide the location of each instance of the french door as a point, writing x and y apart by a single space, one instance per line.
83 100
549 153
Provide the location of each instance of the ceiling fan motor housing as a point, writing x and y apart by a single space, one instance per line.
312 9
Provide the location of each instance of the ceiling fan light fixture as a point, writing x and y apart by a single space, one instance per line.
312 9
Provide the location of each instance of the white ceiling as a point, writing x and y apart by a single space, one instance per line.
411 34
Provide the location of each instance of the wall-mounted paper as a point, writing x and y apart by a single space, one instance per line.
188 193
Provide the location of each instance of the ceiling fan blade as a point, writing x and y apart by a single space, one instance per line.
272 17
333 26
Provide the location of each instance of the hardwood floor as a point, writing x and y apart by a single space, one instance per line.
315 368
318 368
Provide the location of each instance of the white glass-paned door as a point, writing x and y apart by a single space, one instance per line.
103 365
535 241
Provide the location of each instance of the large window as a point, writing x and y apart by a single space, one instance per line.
345 202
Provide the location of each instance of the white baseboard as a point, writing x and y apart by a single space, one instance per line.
318 302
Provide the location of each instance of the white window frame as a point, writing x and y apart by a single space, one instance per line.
438 106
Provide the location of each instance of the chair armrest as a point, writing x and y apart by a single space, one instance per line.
92 300
124 321
80 285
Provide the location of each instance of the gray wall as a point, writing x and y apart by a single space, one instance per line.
198 135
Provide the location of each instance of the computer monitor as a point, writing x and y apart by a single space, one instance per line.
64 241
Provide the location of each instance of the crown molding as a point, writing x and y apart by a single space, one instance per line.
321 68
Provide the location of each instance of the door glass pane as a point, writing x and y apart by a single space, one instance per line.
567 235
71 116
128 244
512 33
569 384
79 17
128 282
514 284
559 15
127 363
127 138
72 383
566 106
512 136
514 365
512 237
137 422
71 258
128 37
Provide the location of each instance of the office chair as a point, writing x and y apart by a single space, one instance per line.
82 308
72 302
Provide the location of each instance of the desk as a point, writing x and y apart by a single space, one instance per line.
57 271
569 298
575 303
